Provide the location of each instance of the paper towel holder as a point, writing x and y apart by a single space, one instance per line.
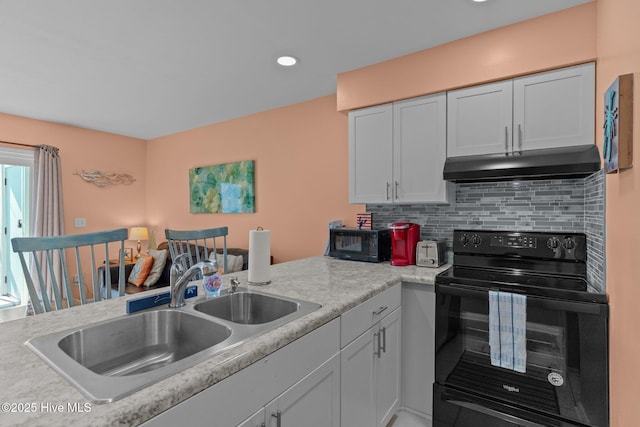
258 283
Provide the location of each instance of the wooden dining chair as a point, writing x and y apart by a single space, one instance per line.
197 244
46 266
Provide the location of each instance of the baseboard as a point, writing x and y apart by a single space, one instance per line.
417 413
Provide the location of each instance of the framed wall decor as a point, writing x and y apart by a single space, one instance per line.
617 147
225 188
128 257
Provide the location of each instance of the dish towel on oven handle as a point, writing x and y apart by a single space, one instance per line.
508 330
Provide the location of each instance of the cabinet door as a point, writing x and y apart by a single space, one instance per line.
357 383
418 337
388 368
312 402
256 420
420 149
370 154
479 120
554 109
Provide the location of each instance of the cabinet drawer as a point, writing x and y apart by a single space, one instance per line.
360 318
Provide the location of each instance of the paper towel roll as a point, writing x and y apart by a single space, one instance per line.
259 257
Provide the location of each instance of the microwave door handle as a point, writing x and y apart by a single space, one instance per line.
556 305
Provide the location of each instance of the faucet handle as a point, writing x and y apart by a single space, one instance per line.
181 263
234 284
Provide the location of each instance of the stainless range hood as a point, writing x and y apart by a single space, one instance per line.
566 162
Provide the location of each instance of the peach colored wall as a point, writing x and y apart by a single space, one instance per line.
619 53
301 176
82 149
559 39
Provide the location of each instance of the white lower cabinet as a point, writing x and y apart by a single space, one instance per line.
358 382
256 420
370 379
388 370
418 354
313 402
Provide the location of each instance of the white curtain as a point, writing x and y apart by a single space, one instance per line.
47 215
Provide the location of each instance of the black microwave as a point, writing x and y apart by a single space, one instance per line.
359 244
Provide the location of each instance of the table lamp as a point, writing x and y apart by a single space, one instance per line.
138 233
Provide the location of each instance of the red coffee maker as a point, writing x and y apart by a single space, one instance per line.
404 238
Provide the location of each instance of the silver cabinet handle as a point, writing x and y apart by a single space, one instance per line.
278 417
380 310
520 138
396 191
376 337
506 139
383 331
388 186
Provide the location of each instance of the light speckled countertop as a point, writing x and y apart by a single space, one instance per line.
24 377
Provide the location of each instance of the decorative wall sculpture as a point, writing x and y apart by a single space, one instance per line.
103 179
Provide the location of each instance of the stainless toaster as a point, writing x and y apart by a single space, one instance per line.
431 253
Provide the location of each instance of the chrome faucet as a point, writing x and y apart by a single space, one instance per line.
180 277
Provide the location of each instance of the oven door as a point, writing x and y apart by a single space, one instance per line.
567 355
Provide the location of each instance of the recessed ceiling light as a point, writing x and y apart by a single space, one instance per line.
287 61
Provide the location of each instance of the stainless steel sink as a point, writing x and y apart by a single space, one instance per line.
248 308
137 344
109 360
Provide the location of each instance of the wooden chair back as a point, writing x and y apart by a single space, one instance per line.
45 265
197 244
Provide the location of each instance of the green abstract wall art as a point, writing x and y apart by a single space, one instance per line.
226 188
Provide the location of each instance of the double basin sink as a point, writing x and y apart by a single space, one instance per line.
112 359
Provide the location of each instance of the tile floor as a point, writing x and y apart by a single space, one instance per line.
406 419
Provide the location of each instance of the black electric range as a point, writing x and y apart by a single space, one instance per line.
563 380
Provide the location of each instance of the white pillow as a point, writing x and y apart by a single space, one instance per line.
159 260
234 262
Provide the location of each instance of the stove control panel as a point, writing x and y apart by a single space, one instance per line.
530 244
514 241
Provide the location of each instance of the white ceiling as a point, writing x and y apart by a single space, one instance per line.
148 68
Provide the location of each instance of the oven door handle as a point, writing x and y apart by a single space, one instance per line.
547 303
495 414
458 399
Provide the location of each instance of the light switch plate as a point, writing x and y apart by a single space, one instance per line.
80 222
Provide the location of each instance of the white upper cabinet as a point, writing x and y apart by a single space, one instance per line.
545 110
397 152
479 119
554 109
419 150
370 154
